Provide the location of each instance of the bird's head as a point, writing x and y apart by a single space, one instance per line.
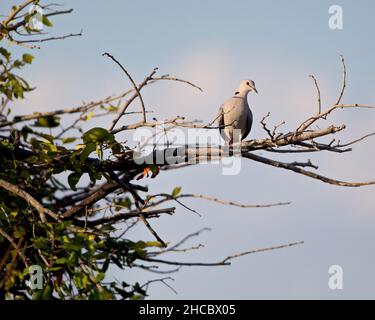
247 86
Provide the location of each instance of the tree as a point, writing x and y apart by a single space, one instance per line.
62 226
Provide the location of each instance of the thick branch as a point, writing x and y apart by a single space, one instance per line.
95 196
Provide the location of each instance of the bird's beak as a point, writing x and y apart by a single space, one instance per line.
255 89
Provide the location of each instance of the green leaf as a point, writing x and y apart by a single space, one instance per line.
126 202
176 191
44 294
154 244
27 58
47 122
17 64
73 179
89 116
19 232
25 174
41 243
72 246
73 258
68 140
55 268
112 108
4 52
62 260
101 294
100 276
94 176
25 132
105 265
97 135
47 22
116 148
90 147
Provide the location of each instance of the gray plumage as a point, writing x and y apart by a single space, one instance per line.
235 113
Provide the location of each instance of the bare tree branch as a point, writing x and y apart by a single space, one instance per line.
181 242
125 216
225 261
167 77
134 86
318 93
217 200
50 38
162 280
293 167
343 84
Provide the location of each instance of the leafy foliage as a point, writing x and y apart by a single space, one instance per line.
74 257
12 86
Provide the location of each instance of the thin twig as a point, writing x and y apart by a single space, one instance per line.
137 200
355 141
343 83
132 81
230 203
14 245
263 250
292 167
167 77
225 261
50 38
162 280
318 93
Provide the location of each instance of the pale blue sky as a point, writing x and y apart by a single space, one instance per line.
216 44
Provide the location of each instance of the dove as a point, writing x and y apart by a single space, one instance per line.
235 113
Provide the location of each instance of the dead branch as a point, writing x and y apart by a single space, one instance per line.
293 167
134 86
181 242
318 93
343 84
50 38
162 280
124 216
225 261
217 200
167 77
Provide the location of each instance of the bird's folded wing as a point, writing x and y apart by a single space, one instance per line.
220 117
249 122
221 123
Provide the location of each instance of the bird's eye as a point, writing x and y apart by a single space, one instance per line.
248 83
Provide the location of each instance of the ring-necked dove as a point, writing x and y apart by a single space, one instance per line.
236 114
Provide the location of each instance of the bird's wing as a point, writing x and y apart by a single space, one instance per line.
220 120
221 123
249 123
